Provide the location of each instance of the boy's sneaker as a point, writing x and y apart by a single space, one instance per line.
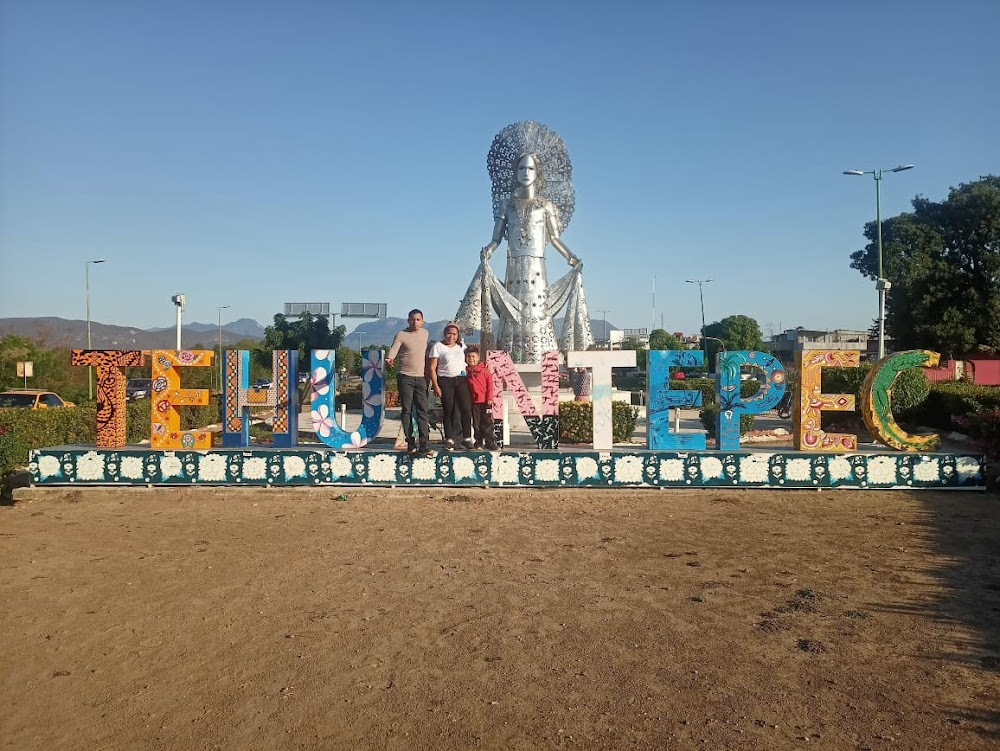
469 444
411 448
449 445
426 451
492 447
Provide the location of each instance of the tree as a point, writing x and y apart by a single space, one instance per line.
660 339
943 260
304 335
349 360
736 332
51 369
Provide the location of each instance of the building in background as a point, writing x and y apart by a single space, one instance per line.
785 345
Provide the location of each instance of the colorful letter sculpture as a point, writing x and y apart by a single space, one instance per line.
807 430
662 399
324 399
876 409
167 396
544 427
601 364
112 426
238 397
732 405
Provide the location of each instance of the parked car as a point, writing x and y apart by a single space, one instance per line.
262 383
138 388
32 399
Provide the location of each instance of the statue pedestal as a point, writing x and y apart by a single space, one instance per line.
532 377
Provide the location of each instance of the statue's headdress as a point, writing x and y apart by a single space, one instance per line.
528 137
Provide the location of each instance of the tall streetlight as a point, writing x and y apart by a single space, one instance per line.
607 334
701 294
178 300
90 369
359 332
222 364
881 283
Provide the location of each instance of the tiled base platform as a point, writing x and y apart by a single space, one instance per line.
620 468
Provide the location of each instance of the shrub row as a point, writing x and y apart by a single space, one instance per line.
910 389
350 397
984 429
24 429
707 388
949 400
576 422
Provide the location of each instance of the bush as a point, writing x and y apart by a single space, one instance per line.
949 400
390 395
705 385
984 429
707 388
709 414
910 389
138 414
199 417
576 422
350 397
24 429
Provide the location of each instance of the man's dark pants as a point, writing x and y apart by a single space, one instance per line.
413 401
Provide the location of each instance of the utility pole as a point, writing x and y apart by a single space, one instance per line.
607 334
701 294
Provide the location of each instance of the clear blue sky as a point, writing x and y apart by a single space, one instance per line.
256 153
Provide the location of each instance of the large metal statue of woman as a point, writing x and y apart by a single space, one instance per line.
533 201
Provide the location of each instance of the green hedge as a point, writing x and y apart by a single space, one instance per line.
191 418
707 388
984 429
950 400
576 422
350 397
910 389
25 429
708 418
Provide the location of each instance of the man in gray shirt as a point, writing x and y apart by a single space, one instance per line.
411 346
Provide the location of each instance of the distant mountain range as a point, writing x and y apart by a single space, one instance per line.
60 332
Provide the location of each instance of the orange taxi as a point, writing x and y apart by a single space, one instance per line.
32 399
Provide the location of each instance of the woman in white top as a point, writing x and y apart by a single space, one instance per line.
446 363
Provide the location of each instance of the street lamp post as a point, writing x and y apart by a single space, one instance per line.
607 334
881 283
701 294
359 332
178 301
222 364
90 369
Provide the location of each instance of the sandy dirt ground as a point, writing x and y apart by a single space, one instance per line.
458 619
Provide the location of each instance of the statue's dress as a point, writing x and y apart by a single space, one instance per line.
528 228
525 302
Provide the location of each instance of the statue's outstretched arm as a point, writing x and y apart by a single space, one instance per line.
559 245
498 230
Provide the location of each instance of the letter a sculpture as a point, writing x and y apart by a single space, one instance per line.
533 201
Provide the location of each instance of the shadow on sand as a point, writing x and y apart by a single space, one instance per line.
964 529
